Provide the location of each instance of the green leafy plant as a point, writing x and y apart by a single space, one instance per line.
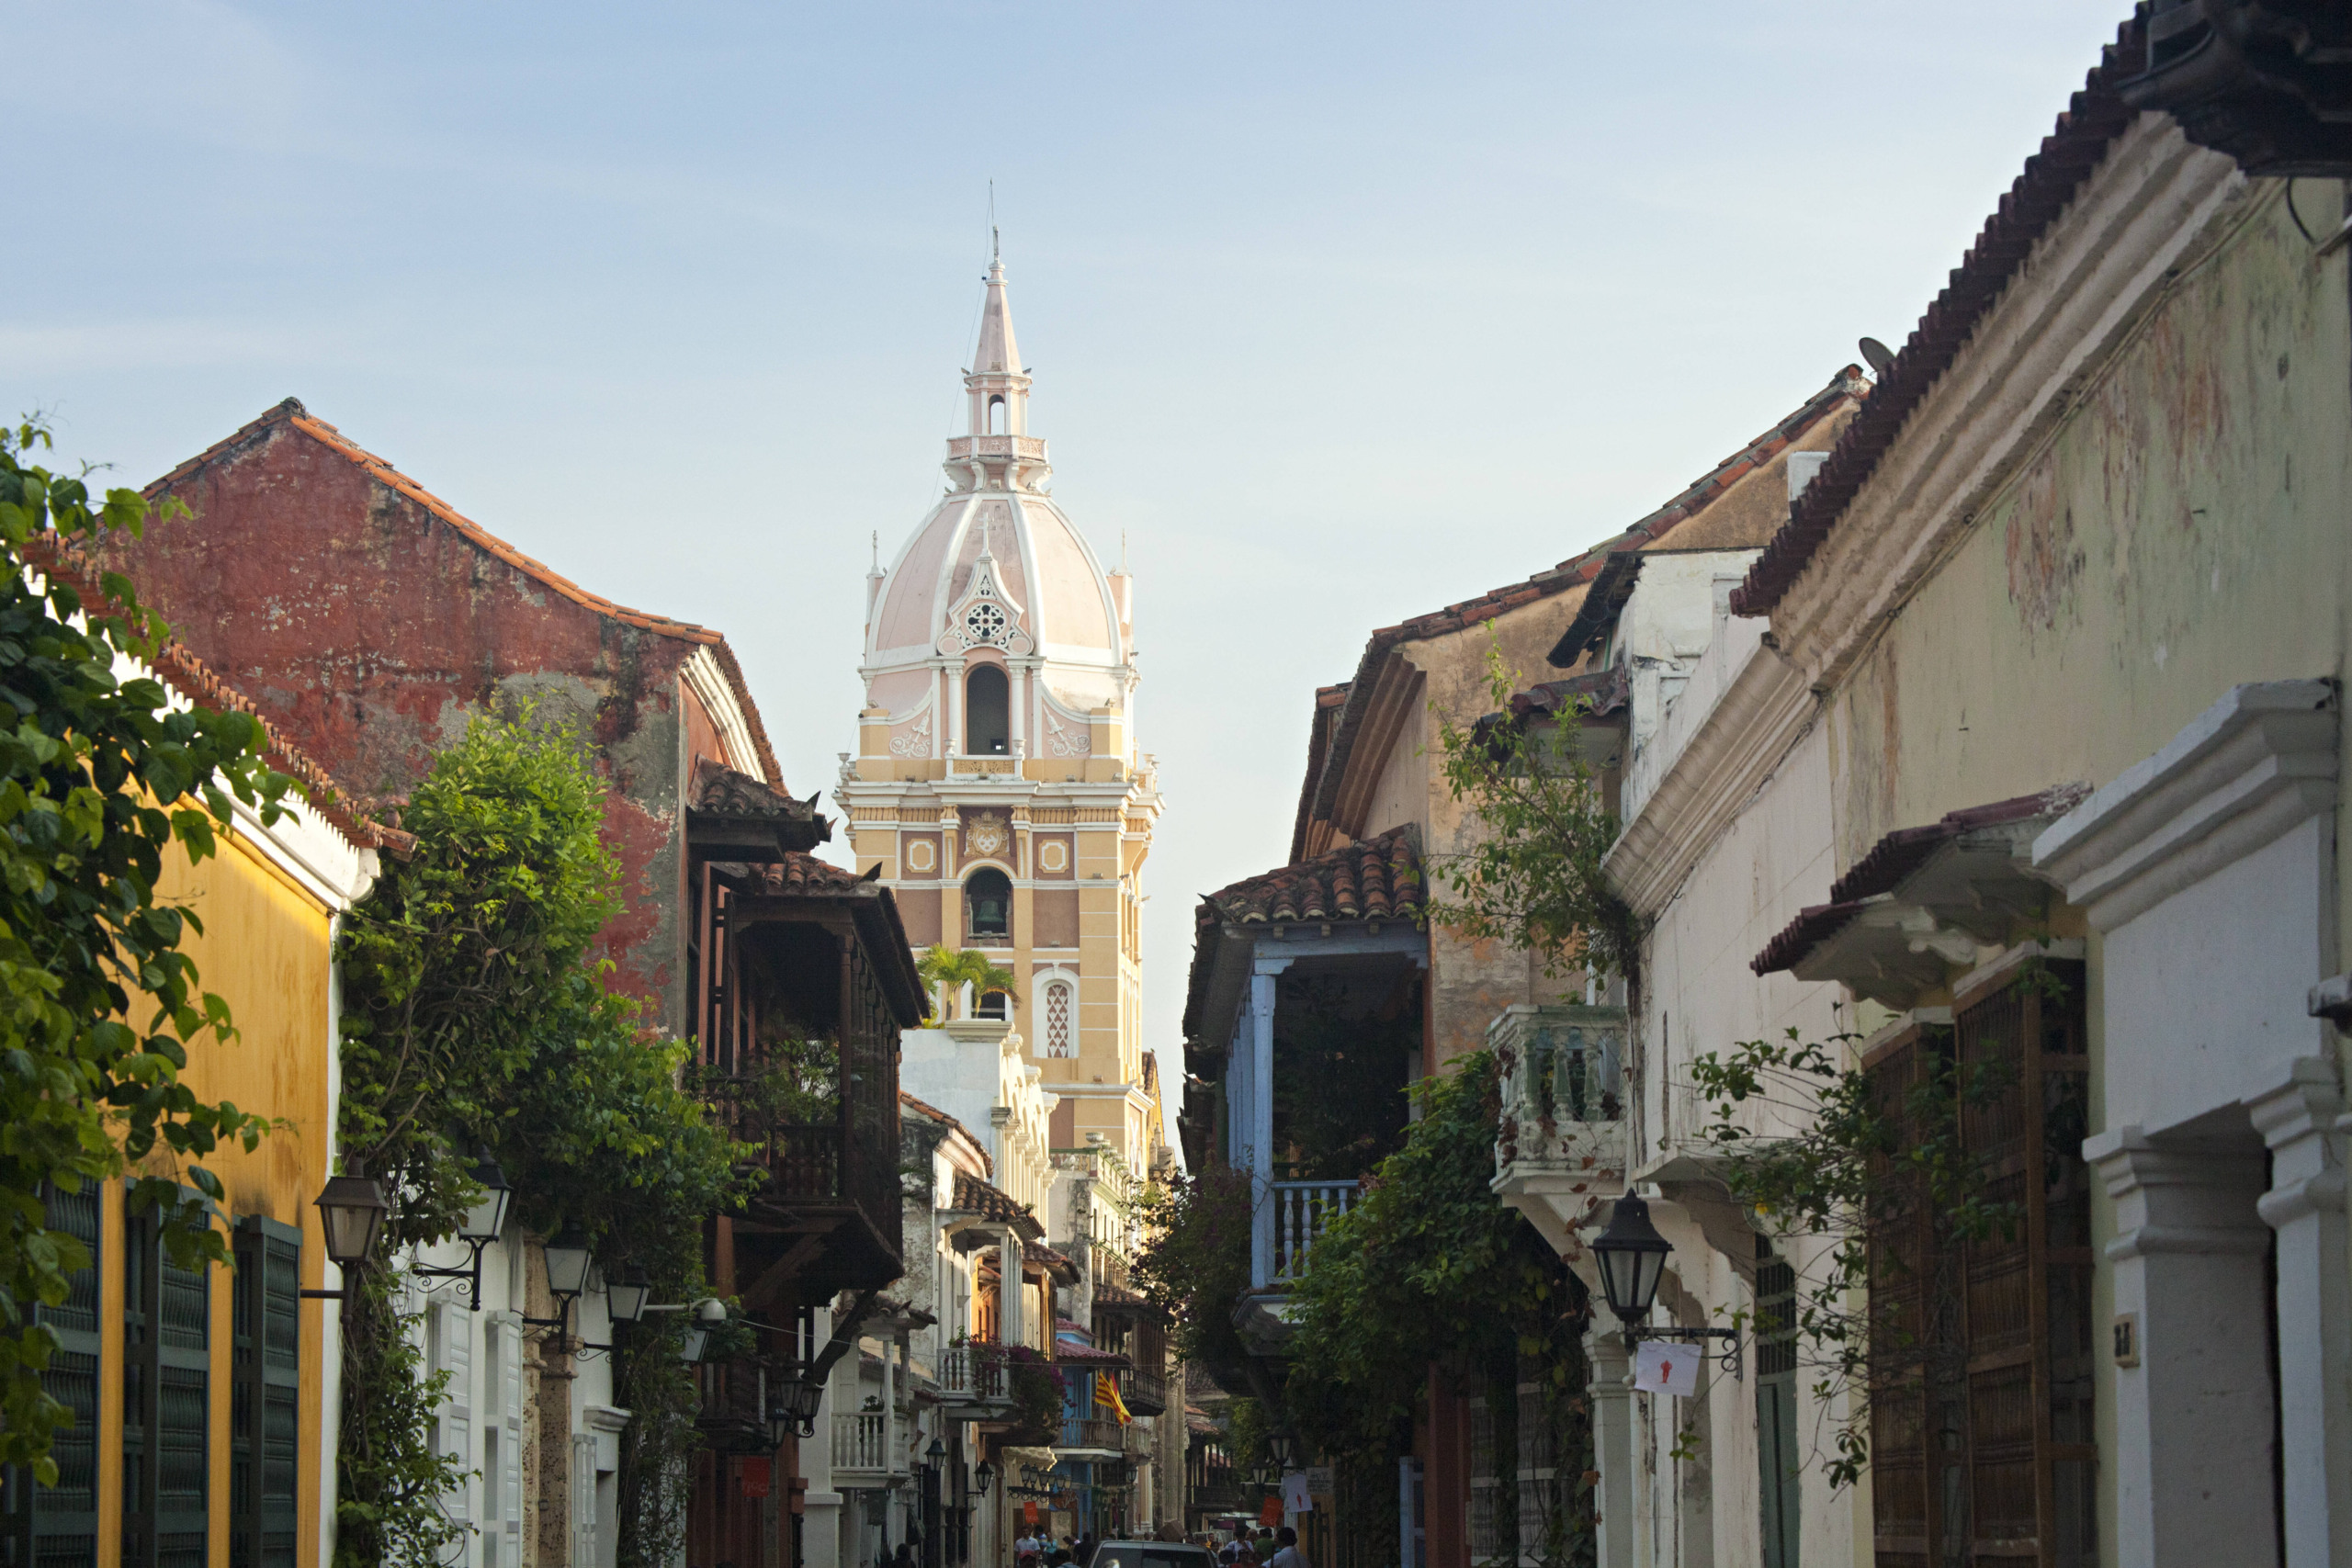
1431 1269
1038 1391
1532 879
1195 1264
101 778
475 1016
956 969
1869 1167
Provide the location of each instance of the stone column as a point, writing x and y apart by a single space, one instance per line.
1613 1445
2305 1207
2193 1419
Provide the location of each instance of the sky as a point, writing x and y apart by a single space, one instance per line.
1338 314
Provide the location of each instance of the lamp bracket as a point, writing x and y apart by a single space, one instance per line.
469 1271
1732 1355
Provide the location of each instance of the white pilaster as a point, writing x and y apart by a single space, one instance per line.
2194 1423
2305 1207
1261 1128
1613 1446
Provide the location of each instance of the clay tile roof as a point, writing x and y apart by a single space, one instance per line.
2094 118
1372 879
1046 1257
349 813
1327 761
721 789
994 1203
291 413
1892 862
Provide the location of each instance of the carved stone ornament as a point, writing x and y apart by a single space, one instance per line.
1066 740
989 834
915 742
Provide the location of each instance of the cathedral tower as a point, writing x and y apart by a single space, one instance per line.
997 789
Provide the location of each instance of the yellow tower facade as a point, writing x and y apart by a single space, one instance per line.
996 788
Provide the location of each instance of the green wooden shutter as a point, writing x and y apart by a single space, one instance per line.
167 1339
264 1463
57 1527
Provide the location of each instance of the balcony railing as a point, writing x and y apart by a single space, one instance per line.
1146 1393
1561 1136
973 1374
1302 1211
863 1440
732 1397
1091 1432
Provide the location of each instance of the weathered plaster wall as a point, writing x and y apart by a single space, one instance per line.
2182 533
370 630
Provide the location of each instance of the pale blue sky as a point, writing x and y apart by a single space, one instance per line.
1339 312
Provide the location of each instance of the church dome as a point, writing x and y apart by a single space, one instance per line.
998 569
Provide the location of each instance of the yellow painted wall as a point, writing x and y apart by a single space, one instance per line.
266 949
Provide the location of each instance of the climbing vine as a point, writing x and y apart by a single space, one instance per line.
475 1019
1876 1168
1195 1264
1532 879
101 778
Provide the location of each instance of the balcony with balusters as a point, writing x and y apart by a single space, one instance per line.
1560 1142
869 1448
973 1383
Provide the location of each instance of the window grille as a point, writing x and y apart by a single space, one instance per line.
1057 1031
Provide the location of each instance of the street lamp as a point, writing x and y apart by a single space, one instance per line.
567 1261
351 1211
985 1474
481 1225
625 1298
797 1402
1285 1447
1632 1257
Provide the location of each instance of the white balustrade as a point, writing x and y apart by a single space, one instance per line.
862 1441
1302 1211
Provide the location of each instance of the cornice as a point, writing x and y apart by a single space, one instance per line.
2145 215
1764 710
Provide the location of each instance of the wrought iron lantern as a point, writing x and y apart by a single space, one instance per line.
1632 1257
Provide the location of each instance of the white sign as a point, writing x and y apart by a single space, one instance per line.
1296 1498
1667 1366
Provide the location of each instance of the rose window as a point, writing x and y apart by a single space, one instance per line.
985 623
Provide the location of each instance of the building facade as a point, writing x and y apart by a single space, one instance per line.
998 789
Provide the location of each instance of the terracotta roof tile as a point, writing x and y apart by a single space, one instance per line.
1375 878
292 414
348 813
909 1102
995 1205
2095 118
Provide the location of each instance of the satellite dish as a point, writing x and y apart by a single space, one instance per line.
1877 354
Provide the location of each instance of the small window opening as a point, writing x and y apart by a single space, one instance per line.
996 1004
988 904
988 713
996 415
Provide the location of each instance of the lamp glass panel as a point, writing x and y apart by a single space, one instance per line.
487 1217
1617 1271
692 1349
568 1264
350 1228
624 1299
1650 1267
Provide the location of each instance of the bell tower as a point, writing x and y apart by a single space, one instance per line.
997 787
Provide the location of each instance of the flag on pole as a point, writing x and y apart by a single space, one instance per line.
1107 1392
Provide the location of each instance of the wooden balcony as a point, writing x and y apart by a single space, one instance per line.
1146 1393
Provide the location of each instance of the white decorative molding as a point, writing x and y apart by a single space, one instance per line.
2144 215
915 742
2243 772
708 683
1764 711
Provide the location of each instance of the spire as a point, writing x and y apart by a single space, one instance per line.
998 354
999 450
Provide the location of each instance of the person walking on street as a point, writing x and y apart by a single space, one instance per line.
1287 1553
